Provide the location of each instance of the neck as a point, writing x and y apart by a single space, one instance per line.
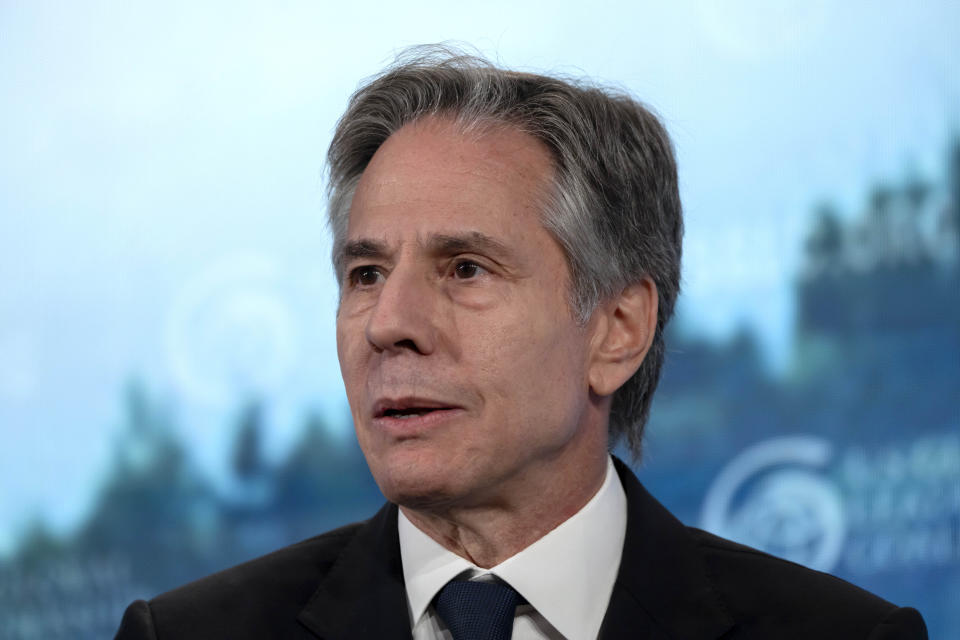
489 533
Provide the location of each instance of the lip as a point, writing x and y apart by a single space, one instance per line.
438 412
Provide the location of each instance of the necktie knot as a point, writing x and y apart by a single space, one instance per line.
475 610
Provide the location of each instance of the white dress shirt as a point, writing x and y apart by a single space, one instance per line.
566 576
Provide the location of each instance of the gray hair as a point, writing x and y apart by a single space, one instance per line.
614 207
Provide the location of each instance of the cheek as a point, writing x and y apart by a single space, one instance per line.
351 365
343 353
536 364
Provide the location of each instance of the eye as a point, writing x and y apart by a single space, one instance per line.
467 269
365 276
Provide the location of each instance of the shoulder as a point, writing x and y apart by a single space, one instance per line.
254 595
695 584
766 595
288 569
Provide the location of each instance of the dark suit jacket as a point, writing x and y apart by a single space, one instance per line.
674 582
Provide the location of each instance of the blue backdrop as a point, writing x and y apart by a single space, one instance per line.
170 400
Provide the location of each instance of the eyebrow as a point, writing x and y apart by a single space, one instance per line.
363 248
473 241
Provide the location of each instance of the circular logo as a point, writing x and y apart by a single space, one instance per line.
773 497
230 333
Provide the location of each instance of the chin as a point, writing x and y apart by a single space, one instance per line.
414 484
417 494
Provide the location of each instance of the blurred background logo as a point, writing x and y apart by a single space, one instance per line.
230 334
773 496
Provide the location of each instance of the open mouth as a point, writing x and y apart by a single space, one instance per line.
410 412
406 408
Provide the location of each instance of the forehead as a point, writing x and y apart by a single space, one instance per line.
431 176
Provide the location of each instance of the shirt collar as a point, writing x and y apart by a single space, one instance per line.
567 575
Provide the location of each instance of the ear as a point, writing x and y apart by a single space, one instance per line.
624 332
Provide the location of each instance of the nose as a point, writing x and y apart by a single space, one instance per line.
402 318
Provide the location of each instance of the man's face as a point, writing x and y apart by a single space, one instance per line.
464 367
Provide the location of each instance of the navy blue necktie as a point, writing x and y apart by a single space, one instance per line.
478 610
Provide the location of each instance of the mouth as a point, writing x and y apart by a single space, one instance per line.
408 408
408 413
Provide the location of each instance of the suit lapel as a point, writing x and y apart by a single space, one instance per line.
662 588
363 595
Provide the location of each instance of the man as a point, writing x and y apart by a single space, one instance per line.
508 252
